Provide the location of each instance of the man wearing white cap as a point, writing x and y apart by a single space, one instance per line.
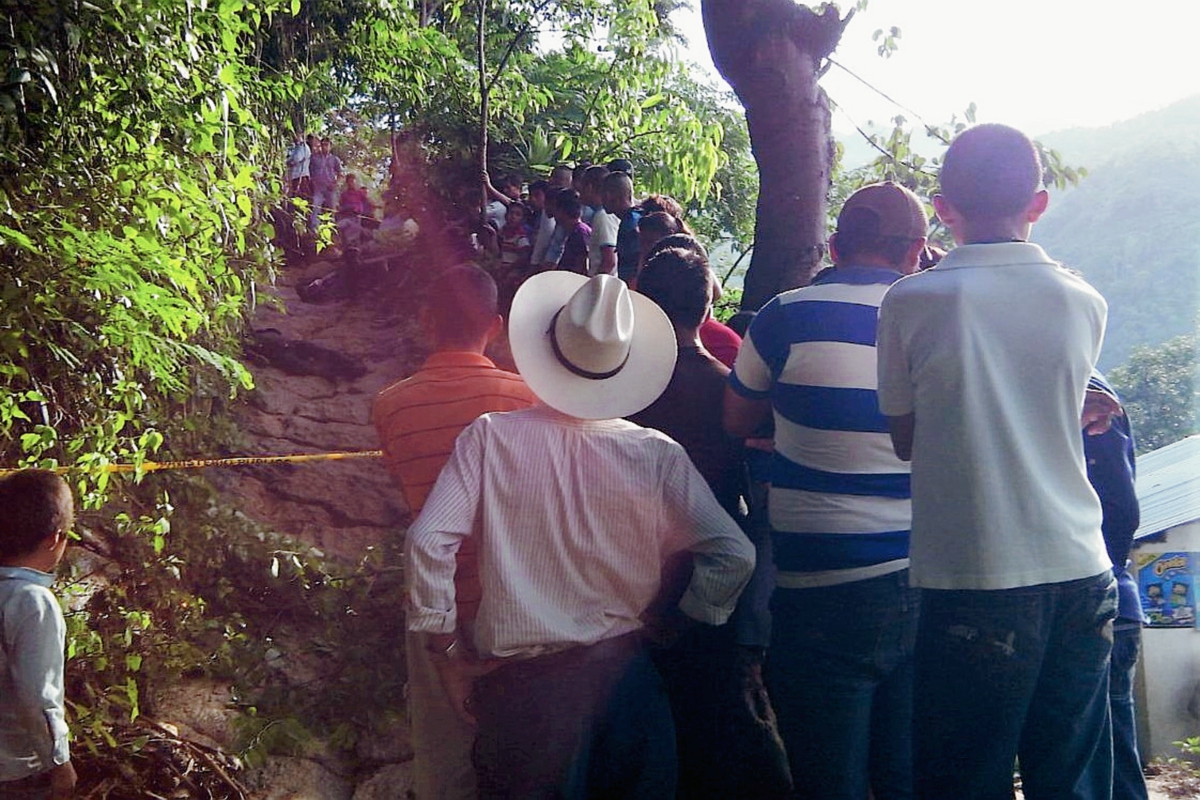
574 511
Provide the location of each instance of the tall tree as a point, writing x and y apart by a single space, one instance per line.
770 52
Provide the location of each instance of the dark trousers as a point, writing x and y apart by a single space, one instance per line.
840 673
1128 780
590 722
35 787
1015 674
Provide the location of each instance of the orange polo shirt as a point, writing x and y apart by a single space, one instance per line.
418 420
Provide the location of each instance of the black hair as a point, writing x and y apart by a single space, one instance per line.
621 165
990 172
679 281
678 240
462 303
660 223
861 238
539 186
36 504
618 182
567 201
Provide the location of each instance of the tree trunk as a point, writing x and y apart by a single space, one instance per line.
770 52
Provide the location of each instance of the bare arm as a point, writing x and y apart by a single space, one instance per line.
741 416
901 429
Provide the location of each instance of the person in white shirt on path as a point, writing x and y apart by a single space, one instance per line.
574 510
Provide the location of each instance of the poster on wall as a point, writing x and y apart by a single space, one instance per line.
1167 582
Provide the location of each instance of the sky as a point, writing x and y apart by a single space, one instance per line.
1039 65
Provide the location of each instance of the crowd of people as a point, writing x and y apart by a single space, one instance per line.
876 548
863 557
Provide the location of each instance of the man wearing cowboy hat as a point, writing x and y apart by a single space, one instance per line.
574 511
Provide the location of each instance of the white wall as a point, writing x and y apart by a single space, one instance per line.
1168 680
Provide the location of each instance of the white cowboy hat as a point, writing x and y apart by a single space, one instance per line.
589 347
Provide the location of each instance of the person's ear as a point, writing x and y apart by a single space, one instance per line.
945 212
912 257
1037 206
495 328
833 251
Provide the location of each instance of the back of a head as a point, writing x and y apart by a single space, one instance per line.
36 504
618 189
880 220
679 281
560 176
682 240
461 304
594 177
567 202
658 225
621 165
990 172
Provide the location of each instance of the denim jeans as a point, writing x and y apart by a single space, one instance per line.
1128 781
1015 674
839 673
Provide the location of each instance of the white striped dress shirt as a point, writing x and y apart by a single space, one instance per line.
574 519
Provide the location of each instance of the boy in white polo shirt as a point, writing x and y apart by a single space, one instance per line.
983 365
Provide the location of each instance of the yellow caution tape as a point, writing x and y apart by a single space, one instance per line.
200 463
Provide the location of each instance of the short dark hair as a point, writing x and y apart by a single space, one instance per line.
568 203
678 240
512 179
594 176
621 165
990 171
36 504
851 246
539 186
462 303
559 170
679 281
660 224
618 183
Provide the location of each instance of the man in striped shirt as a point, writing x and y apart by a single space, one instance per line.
418 420
844 618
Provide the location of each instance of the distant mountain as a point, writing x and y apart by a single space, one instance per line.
1132 227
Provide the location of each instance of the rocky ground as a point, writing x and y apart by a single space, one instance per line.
317 368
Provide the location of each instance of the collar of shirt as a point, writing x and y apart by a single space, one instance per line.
27 574
1000 254
457 358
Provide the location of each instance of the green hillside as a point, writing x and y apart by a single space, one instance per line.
1132 227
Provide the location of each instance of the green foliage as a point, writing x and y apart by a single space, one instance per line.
1160 388
129 197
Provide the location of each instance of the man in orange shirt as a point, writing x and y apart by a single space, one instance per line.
418 420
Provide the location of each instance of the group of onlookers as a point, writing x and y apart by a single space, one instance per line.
601 605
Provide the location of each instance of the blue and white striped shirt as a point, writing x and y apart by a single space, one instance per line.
839 500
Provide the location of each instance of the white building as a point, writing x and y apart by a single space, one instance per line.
1168 681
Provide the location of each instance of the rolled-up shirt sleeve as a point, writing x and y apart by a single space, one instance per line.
895 379
448 518
34 635
722 555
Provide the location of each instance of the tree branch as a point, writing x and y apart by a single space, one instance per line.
512 45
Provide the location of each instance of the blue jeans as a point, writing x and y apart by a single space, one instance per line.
839 673
1015 674
1128 781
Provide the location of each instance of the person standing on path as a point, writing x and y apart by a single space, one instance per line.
575 511
844 619
984 361
418 420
